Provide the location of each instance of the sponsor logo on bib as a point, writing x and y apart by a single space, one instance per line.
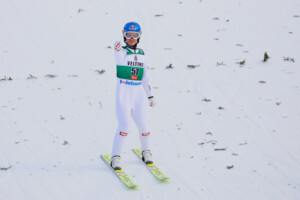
135 64
133 83
133 77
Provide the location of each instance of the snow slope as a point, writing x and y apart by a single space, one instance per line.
220 130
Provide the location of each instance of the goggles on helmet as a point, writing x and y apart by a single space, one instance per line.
134 35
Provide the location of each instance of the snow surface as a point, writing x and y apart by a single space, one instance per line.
220 130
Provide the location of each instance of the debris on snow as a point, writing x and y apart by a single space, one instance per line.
230 167
50 76
208 133
100 71
6 79
206 100
220 149
193 66
80 10
5 168
169 66
221 63
266 57
241 62
288 59
30 76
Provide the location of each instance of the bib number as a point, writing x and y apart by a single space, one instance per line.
135 71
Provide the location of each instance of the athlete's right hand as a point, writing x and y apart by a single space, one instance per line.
152 102
117 45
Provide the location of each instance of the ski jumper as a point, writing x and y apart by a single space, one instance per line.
131 102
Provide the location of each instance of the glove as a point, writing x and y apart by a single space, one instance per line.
117 45
152 103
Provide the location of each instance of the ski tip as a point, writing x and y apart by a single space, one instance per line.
165 179
135 187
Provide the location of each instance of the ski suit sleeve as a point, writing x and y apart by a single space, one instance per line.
145 83
120 55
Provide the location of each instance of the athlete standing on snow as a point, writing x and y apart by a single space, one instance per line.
132 84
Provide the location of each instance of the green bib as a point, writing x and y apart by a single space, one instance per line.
130 73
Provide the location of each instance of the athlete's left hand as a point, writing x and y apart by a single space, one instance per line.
152 103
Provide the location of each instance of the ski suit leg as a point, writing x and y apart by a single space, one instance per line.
139 116
123 110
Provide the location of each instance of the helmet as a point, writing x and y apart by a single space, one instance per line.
132 27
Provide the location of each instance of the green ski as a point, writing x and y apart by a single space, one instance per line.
152 167
120 173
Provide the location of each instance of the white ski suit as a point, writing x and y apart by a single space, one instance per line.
131 102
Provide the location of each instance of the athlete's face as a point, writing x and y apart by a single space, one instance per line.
131 41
